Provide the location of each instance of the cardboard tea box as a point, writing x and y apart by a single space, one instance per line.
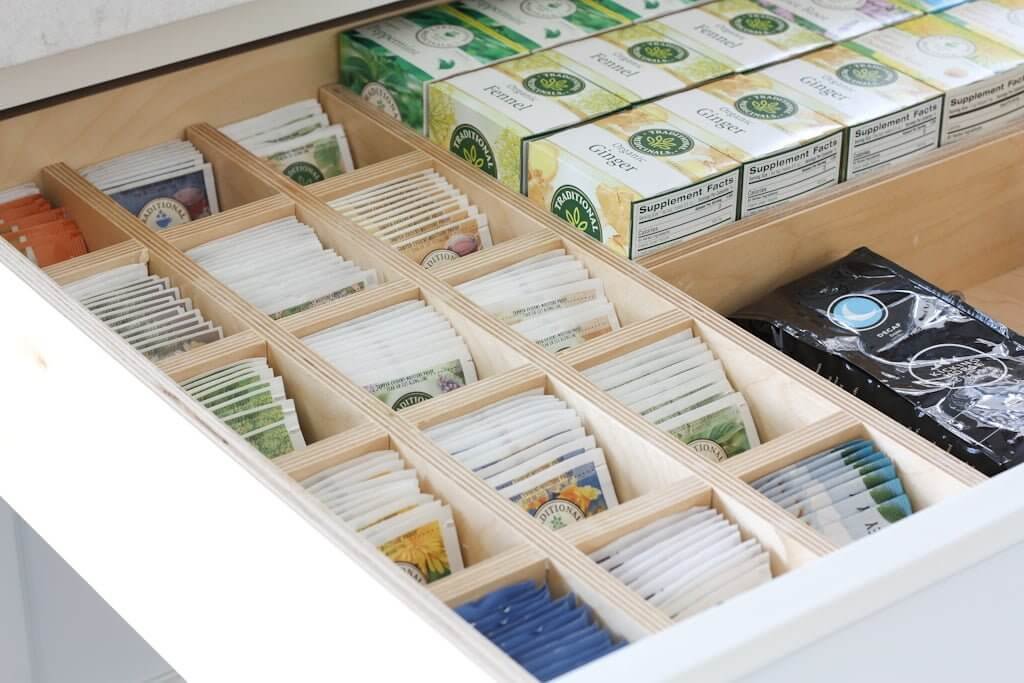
390 62
928 6
842 19
538 24
742 34
998 20
983 81
642 10
640 62
487 117
638 181
786 148
889 116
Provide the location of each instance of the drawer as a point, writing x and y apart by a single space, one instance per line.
170 515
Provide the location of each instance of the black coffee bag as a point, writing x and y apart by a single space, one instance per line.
917 353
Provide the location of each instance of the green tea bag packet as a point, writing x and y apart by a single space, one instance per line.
489 116
803 466
411 383
320 154
271 120
392 62
998 20
423 542
226 373
717 430
541 24
871 521
838 489
250 397
889 116
855 504
820 484
798 478
983 80
567 492
742 35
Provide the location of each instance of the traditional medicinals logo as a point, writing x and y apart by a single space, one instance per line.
866 74
444 35
757 24
303 172
660 142
413 571
411 399
766 106
857 312
554 84
164 212
557 513
470 144
379 96
437 257
947 46
548 9
709 449
572 205
658 52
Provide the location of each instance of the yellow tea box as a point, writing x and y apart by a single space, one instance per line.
638 181
487 117
889 116
640 62
983 81
539 24
390 62
787 149
998 20
842 19
742 34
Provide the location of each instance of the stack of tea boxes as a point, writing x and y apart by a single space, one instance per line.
647 122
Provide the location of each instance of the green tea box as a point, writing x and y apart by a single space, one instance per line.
638 181
787 149
642 10
983 80
390 62
640 63
998 20
741 34
487 117
842 19
539 24
889 117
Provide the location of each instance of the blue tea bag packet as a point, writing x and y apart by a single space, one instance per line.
496 600
524 641
536 627
564 604
538 646
591 639
556 669
513 611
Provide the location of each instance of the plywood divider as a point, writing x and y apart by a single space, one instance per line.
97 229
125 253
212 356
525 563
228 222
626 340
369 176
501 255
336 312
236 184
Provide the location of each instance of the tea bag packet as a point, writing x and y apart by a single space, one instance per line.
298 140
145 310
163 186
677 384
421 215
686 562
547 636
403 354
409 526
549 298
247 397
846 493
281 268
534 450
919 354
44 234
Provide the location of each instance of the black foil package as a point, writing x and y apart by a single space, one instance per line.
919 354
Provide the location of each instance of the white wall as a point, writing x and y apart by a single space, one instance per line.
53 627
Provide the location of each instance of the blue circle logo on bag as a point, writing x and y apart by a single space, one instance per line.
658 52
757 24
574 207
766 106
857 312
866 74
554 84
470 144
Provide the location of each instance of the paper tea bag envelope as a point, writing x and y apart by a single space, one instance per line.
487 117
638 181
983 80
787 150
742 34
998 20
539 24
842 19
640 62
390 62
889 116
